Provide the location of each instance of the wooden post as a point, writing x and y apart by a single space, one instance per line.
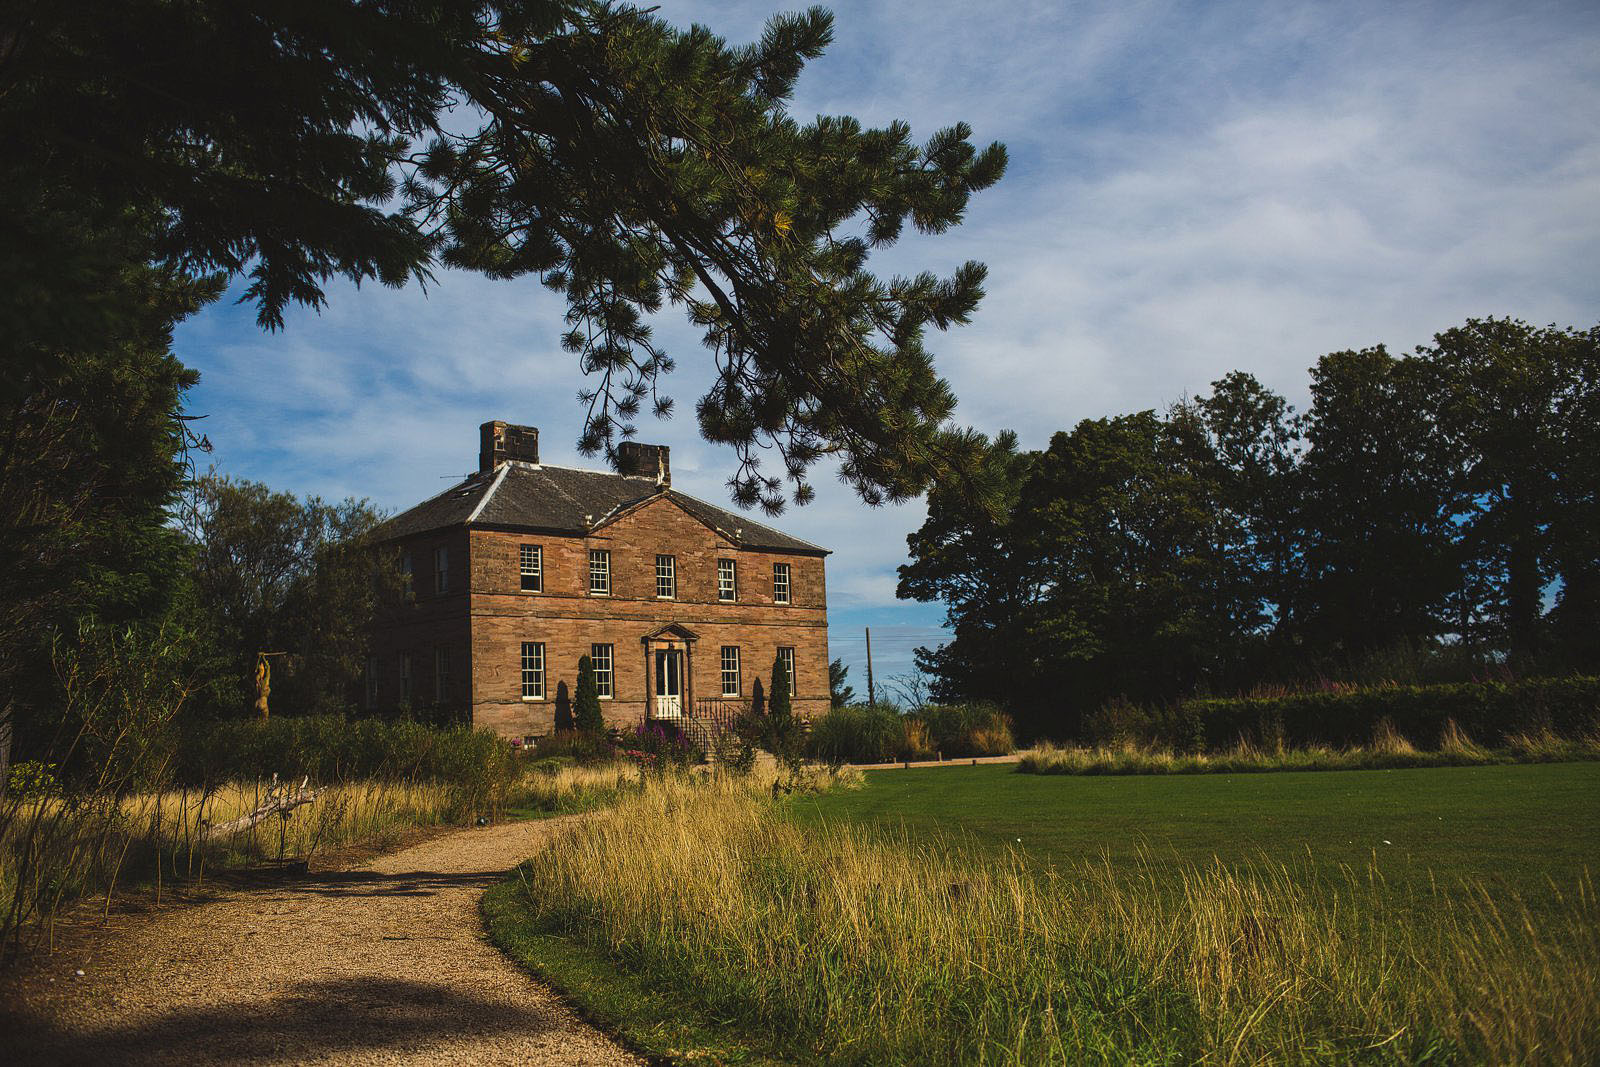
872 693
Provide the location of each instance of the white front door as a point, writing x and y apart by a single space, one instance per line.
669 685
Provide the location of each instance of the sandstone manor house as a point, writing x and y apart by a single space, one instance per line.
524 567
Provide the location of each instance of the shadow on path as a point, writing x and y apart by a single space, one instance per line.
309 1021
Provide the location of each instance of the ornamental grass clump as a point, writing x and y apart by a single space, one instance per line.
837 943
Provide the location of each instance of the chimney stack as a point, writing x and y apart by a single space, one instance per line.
645 461
501 441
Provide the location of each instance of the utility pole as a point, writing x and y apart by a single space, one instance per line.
872 694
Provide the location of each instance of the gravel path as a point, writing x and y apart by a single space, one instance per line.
384 963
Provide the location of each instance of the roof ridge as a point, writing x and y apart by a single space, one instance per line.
499 476
757 522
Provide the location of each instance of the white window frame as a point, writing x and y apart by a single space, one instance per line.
782 590
441 569
727 581
599 572
533 670
666 576
604 660
786 654
530 564
730 671
441 673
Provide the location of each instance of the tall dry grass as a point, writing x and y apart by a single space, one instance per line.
1388 749
856 945
58 850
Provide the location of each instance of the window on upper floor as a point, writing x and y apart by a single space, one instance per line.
780 583
599 572
730 670
531 565
441 570
786 655
666 577
406 589
727 581
532 670
603 658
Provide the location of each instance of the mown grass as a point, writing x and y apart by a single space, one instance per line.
852 942
1517 830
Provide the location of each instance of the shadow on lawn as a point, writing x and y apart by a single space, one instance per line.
311 1021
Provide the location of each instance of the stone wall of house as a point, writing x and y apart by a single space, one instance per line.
567 619
485 616
421 625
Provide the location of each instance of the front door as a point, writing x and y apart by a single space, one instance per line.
669 685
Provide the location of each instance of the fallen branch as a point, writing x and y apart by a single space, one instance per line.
280 801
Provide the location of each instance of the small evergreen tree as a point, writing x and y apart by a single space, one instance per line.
758 699
779 707
564 721
586 703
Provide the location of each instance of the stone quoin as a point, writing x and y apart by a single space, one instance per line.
522 568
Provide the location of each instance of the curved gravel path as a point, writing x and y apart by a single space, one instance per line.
384 963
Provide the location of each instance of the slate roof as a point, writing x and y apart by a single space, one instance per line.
526 496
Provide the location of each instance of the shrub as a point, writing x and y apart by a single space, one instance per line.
967 730
586 704
1491 712
858 733
576 747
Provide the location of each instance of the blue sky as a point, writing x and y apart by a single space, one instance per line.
1194 188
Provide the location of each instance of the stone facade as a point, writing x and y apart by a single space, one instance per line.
475 628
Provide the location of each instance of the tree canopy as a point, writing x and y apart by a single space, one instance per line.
624 162
1433 512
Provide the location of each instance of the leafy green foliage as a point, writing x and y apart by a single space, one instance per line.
586 702
1489 712
332 748
1414 523
274 573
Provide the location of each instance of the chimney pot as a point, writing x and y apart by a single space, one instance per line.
645 461
501 441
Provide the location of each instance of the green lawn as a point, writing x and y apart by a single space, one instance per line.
1520 827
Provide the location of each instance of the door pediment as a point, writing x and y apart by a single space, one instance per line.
671 632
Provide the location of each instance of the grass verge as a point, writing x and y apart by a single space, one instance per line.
1387 751
849 943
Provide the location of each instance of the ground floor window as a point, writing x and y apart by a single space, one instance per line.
441 674
405 677
786 655
730 670
601 657
532 670
372 681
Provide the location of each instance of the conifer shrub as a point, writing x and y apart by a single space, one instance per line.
586 702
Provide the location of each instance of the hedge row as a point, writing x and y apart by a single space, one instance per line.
878 734
1489 712
329 748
